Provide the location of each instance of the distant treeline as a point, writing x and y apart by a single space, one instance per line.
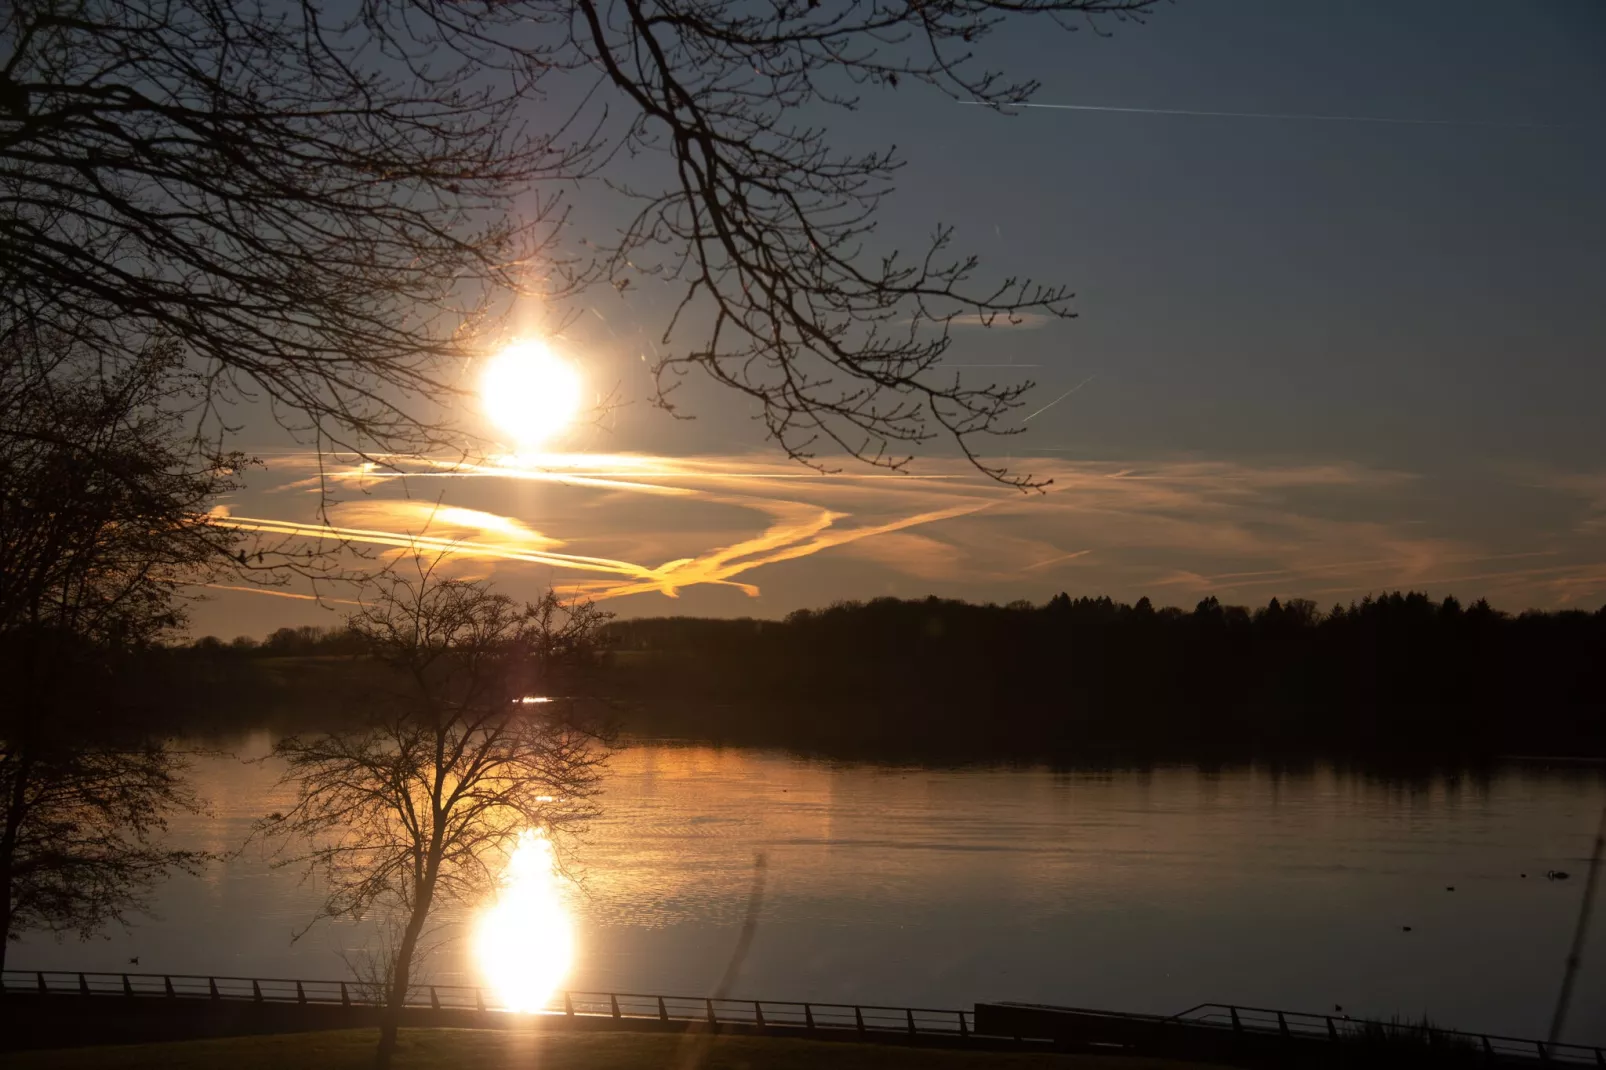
307 640
1400 674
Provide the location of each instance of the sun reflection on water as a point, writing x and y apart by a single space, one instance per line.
524 942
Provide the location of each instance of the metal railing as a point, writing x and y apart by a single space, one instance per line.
789 1015
634 1006
1342 1028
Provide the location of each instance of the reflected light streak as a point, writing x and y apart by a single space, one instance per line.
524 943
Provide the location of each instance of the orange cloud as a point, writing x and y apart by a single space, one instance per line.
797 528
669 524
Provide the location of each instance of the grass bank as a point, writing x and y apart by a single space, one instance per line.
474 1049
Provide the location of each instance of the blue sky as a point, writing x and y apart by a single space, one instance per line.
1312 357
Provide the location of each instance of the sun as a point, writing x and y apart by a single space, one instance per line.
530 393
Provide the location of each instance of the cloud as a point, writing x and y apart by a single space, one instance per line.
911 554
619 525
796 528
1589 488
441 521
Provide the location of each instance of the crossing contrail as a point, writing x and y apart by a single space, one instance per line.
1062 397
1387 120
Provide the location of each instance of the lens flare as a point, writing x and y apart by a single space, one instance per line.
525 941
530 393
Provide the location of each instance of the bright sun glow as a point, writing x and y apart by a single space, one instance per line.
530 393
525 941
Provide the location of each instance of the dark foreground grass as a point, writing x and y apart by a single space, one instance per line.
477 1049
1421 1043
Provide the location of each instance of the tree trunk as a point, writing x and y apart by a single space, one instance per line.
17 757
390 1023
5 918
396 1000
8 851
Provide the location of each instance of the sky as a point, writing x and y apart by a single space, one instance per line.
1317 354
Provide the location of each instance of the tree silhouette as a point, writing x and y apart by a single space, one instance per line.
322 203
419 806
103 518
1396 676
1392 676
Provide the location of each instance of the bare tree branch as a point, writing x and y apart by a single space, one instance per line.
103 518
271 186
327 205
423 804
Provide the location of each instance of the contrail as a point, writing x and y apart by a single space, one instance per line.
1386 120
282 594
1061 398
261 590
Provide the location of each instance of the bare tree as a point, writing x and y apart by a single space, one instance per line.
321 201
311 219
103 518
83 821
771 231
105 509
372 964
422 805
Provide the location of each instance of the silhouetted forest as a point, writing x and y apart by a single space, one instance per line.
1397 675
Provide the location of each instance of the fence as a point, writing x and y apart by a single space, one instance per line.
1341 1028
633 1006
870 1021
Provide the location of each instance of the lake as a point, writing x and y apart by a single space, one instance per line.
1144 889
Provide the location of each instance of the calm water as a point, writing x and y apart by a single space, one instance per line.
1142 890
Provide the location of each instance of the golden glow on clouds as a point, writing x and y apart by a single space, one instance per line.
445 522
795 529
611 525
